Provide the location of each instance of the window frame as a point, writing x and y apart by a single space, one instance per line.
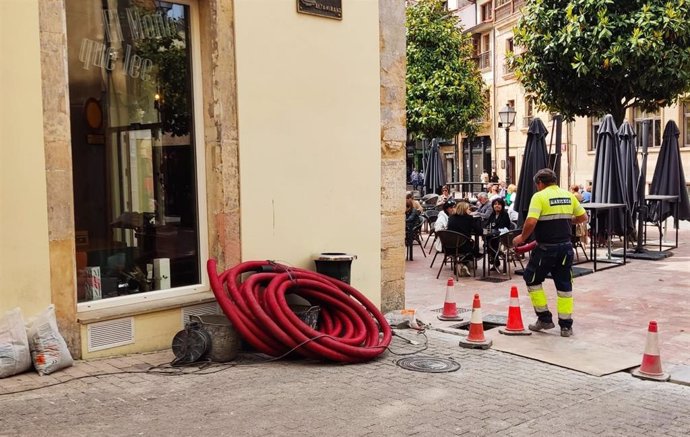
486 11
529 112
639 116
83 308
594 124
685 116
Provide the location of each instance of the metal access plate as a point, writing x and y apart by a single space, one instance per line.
496 319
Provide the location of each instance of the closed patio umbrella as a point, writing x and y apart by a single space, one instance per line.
434 177
534 159
669 179
607 182
629 166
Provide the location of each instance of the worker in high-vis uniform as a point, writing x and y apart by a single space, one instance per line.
552 213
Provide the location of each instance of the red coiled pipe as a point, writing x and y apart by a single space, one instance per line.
352 328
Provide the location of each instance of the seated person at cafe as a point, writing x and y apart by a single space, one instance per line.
494 193
483 206
514 216
467 225
415 203
441 223
412 219
510 194
587 194
498 220
575 189
445 195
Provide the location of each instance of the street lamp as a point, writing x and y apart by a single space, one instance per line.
507 118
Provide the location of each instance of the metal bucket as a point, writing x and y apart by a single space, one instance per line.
225 343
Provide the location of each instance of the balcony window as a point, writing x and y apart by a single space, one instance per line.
486 11
484 60
529 112
654 134
594 124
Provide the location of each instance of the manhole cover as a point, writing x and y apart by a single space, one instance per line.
428 364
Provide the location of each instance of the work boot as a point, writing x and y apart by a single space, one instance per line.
540 326
566 332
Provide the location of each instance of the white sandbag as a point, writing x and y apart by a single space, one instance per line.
14 346
48 349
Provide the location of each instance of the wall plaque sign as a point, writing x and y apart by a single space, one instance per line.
323 8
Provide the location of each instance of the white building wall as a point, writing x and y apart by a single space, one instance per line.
309 135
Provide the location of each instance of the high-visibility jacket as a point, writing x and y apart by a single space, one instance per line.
554 208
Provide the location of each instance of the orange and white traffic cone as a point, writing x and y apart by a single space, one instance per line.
514 324
475 339
651 360
450 308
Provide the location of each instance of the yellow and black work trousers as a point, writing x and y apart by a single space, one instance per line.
556 259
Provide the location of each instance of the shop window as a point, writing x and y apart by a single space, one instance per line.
654 134
133 147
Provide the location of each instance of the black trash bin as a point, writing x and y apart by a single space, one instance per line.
335 264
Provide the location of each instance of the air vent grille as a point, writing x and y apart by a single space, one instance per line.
109 334
199 310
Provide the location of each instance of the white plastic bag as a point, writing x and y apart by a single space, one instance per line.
14 346
405 318
48 349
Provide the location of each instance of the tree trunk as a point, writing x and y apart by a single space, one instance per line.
618 112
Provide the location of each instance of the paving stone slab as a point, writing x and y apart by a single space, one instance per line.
570 353
680 374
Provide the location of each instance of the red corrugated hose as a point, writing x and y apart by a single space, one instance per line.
352 329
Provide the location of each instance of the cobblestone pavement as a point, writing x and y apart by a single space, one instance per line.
492 394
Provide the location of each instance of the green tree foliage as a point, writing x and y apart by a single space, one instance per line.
171 78
591 57
444 87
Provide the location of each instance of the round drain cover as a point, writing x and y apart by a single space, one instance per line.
428 364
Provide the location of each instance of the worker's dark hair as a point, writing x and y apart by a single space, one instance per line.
546 176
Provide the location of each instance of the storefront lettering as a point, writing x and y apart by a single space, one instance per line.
153 25
94 53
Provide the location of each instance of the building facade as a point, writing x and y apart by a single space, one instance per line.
140 138
491 23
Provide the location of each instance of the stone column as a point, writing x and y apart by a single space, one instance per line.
221 130
393 137
58 159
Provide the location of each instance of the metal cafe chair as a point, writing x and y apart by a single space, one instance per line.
452 244
431 216
506 251
415 237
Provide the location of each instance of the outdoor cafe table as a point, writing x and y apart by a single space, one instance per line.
661 199
594 209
